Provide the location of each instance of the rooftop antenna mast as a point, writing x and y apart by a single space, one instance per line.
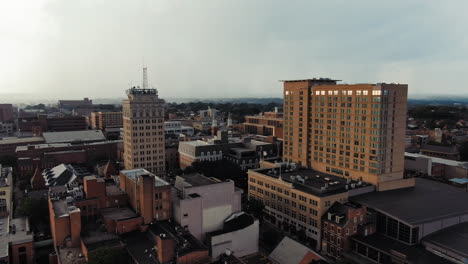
145 77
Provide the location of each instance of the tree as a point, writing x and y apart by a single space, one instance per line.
463 150
37 210
255 207
108 256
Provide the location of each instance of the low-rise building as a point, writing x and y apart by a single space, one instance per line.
103 120
165 242
202 204
175 127
340 222
149 195
435 167
265 124
445 152
16 241
46 156
405 217
8 145
6 191
289 251
295 198
239 236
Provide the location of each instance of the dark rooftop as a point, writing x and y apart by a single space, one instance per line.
340 210
140 247
427 201
414 254
454 238
185 242
235 222
443 149
312 181
196 179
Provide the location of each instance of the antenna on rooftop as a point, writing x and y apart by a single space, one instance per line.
145 77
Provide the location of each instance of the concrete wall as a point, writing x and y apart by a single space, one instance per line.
241 242
207 212
429 228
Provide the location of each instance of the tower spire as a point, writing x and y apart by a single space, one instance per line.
145 77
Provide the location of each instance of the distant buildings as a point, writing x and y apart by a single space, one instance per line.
266 124
354 131
176 128
246 152
435 167
72 104
6 113
143 117
444 152
103 120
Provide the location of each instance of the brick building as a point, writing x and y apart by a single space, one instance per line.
6 113
8 145
355 131
266 124
16 241
149 195
45 156
103 120
296 198
339 223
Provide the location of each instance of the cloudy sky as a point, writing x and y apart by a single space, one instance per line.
229 48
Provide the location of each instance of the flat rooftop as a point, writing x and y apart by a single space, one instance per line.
135 173
454 238
185 242
312 181
427 201
196 179
74 136
438 160
17 140
413 254
118 213
312 80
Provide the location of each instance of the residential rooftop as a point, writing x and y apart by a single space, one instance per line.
312 181
427 201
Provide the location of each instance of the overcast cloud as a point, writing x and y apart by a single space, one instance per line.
229 48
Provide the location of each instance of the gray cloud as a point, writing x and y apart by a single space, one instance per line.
219 48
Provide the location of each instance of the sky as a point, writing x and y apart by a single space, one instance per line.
228 48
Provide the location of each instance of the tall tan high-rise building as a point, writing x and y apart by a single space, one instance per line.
143 122
348 130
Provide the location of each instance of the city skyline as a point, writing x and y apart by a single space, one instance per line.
220 49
